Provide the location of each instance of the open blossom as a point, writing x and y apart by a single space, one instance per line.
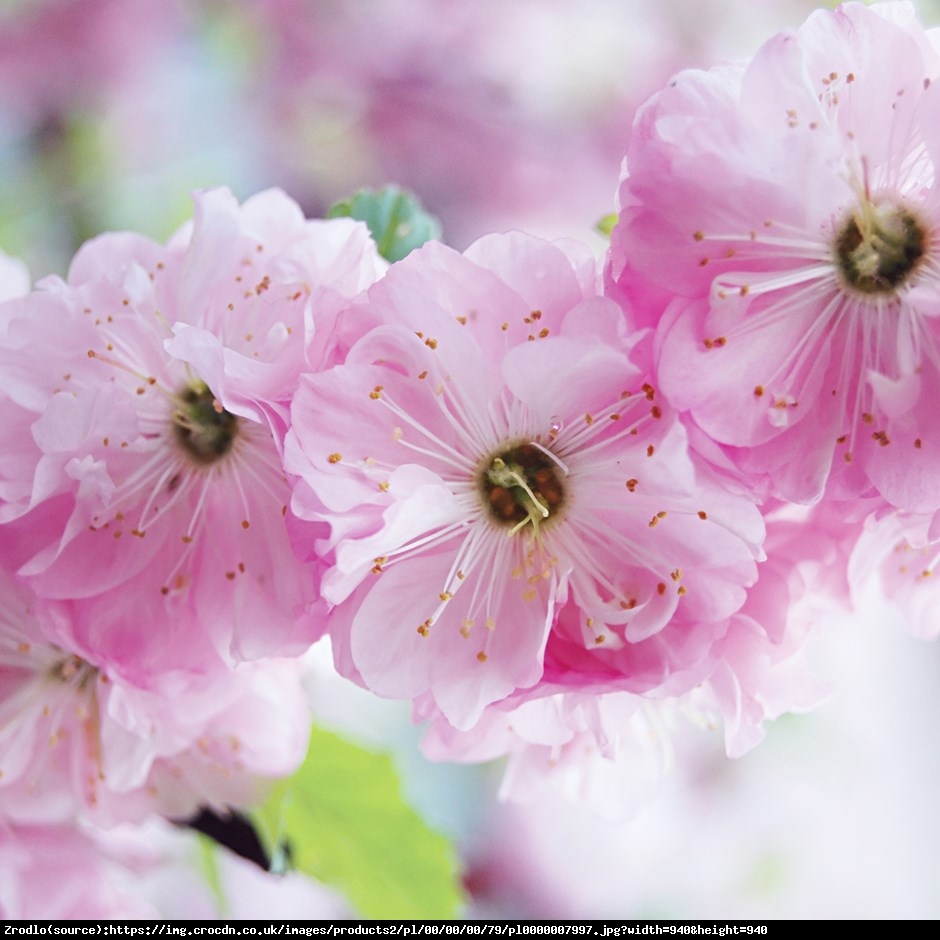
489 450
611 748
147 401
790 207
78 739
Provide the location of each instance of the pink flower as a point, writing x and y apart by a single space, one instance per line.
148 397
489 449
894 568
789 206
611 748
77 738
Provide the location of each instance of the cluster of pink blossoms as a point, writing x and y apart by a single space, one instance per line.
551 500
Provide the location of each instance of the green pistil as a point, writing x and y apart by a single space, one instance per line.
521 486
879 247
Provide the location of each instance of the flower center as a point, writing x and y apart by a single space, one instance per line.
73 670
879 247
203 428
521 485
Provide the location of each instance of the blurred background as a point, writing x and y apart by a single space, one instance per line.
498 114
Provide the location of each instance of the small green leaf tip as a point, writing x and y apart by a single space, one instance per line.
396 219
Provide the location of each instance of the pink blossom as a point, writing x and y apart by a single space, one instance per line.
490 449
142 478
77 738
611 749
893 569
789 207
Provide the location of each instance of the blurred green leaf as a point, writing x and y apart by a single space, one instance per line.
397 220
341 820
209 864
606 225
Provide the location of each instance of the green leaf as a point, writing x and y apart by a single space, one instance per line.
396 219
209 864
341 820
606 225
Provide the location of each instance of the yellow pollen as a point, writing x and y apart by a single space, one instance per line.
335 458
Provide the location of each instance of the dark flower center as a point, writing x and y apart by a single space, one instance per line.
73 670
203 428
879 247
521 485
